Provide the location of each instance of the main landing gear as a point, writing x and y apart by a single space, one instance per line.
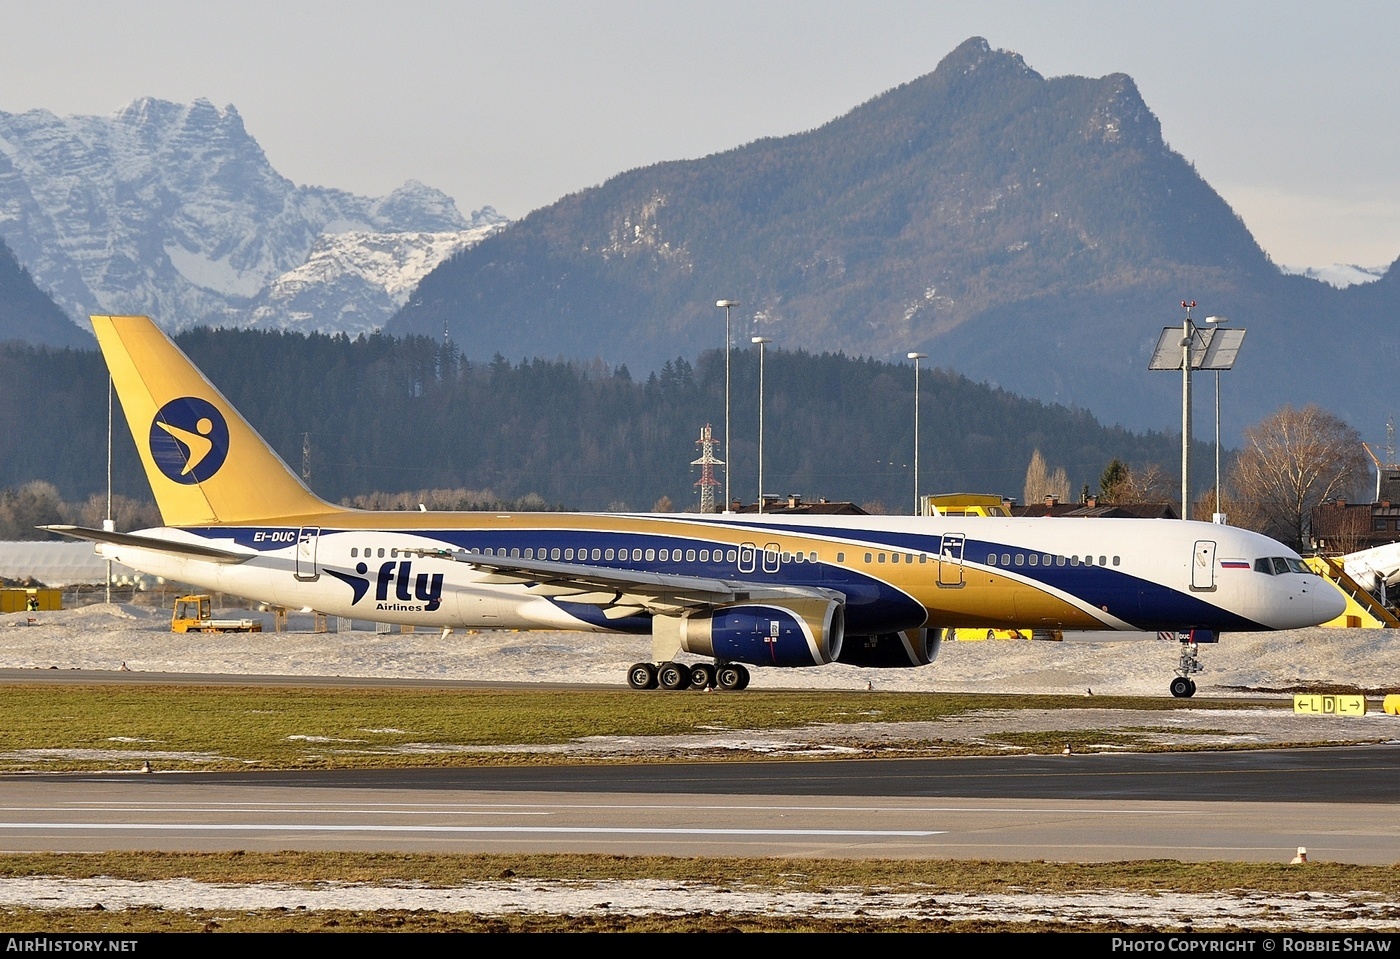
727 676
1183 686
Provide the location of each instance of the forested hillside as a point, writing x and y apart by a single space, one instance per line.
386 414
26 313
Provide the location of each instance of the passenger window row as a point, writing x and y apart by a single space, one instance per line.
895 557
1047 559
570 554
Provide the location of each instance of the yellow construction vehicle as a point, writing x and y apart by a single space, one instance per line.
193 615
964 634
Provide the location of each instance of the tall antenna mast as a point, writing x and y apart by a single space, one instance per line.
707 463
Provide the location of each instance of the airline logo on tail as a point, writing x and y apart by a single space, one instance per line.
189 440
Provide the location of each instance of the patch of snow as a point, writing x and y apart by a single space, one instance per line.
217 274
1241 909
1340 275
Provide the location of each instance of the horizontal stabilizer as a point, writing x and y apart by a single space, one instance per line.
194 550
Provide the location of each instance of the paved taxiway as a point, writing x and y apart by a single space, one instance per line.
1340 803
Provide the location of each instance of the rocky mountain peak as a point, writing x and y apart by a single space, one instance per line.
975 56
1121 115
173 210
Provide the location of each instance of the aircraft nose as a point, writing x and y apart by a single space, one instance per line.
1327 602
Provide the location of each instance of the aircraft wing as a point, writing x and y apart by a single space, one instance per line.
174 547
622 593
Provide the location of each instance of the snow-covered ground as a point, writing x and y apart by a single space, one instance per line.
1234 910
1106 664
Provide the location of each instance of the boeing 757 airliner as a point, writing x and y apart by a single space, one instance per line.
732 591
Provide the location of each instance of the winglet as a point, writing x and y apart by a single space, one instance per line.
206 465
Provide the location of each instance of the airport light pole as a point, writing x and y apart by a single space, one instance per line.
726 306
1188 332
761 342
916 357
108 524
1217 517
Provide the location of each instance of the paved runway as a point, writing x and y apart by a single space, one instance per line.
1243 806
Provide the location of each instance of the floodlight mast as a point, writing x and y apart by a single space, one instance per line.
1188 330
916 357
760 342
1218 516
1192 347
726 305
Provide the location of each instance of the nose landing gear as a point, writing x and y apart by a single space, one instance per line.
1183 686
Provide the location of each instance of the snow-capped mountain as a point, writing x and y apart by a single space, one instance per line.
352 282
173 210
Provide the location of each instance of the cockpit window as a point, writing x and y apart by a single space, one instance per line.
1278 565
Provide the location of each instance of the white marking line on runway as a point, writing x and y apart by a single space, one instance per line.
590 830
1129 807
223 808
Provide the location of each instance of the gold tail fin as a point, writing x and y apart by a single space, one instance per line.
206 465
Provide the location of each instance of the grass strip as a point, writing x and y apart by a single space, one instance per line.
96 727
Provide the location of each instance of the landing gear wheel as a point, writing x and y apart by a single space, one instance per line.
702 676
991 634
641 676
731 676
673 676
1183 688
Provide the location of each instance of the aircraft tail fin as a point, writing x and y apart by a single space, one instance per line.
206 465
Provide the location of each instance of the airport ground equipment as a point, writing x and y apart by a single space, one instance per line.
1363 610
30 599
965 635
193 615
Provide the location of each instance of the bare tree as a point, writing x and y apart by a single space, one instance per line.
127 513
22 511
1292 461
1037 480
1146 484
1040 482
1238 512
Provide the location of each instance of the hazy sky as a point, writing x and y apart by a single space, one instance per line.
1291 110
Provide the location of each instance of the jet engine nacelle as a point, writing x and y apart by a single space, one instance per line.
785 632
910 647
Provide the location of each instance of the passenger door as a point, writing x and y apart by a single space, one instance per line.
307 570
950 560
1203 565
